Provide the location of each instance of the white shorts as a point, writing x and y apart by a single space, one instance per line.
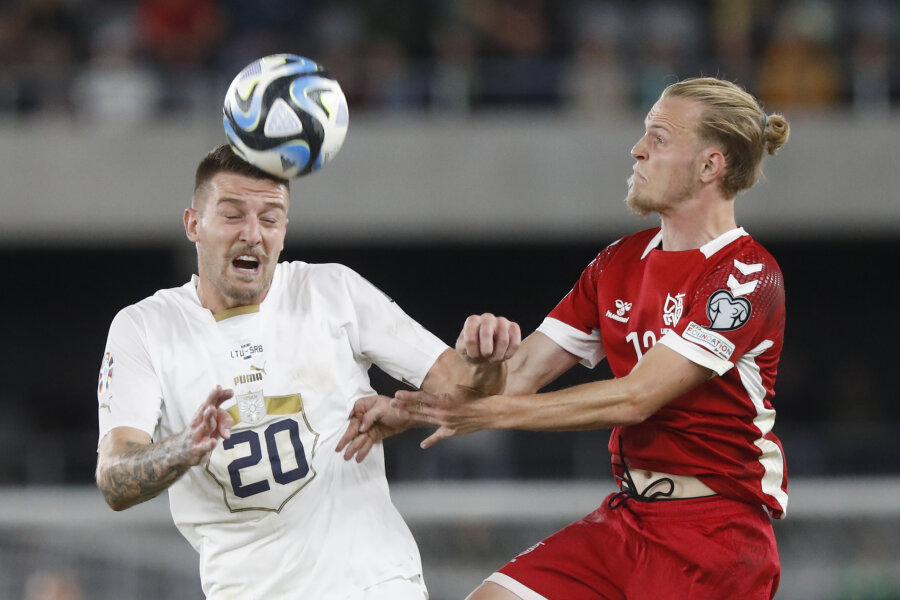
398 588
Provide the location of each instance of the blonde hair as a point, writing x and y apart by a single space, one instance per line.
734 119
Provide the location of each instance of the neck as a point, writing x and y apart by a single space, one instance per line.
215 302
696 221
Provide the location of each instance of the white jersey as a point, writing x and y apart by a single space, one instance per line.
276 513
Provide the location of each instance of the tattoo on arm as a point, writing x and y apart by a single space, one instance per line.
142 472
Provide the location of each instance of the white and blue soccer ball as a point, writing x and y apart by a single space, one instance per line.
286 115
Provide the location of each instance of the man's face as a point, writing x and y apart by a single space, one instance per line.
238 224
666 170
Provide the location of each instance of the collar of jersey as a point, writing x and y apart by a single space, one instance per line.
237 310
708 249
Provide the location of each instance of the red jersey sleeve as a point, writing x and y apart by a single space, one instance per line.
575 322
736 308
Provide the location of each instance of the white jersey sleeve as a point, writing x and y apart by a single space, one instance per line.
386 336
128 390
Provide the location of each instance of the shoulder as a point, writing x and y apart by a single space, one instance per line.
157 306
327 284
744 274
747 263
630 246
296 274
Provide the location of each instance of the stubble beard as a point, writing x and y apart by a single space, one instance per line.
228 285
637 204
642 205
241 294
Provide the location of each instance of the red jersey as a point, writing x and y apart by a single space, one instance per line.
722 307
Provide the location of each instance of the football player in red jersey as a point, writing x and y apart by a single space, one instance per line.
690 316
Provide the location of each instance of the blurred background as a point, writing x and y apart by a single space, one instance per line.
484 168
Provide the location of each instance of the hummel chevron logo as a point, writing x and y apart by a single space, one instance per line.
741 289
747 269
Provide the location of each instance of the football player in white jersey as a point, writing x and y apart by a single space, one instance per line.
233 393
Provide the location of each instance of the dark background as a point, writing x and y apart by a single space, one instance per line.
837 410
77 62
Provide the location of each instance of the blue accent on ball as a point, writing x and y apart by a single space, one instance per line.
297 152
249 120
298 90
230 133
307 88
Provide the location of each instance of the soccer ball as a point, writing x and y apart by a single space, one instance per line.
286 115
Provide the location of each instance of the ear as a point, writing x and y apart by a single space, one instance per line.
191 221
712 166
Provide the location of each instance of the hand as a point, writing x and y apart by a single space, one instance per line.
371 420
487 338
210 423
458 413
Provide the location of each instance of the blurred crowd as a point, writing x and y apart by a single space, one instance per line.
120 61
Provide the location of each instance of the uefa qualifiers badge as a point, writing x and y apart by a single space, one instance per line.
727 313
106 373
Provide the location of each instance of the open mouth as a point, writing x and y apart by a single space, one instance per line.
246 263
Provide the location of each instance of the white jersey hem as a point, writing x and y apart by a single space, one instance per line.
587 347
519 589
695 353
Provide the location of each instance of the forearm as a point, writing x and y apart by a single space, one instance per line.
485 378
451 371
661 376
597 405
136 472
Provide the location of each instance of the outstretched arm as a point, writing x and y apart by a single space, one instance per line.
661 376
132 469
484 345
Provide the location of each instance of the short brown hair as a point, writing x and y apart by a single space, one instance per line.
734 119
223 159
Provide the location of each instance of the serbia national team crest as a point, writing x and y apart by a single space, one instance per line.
252 406
727 313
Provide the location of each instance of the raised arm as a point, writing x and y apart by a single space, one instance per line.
131 468
661 376
479 363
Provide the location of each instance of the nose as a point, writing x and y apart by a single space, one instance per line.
638 151
250 232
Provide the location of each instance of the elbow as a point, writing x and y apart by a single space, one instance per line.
115 501
637 406
633 414
117 504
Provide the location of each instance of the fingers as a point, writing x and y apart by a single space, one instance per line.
488 337
416 406
351 432
208 424
205 445
369 410
360 447
515 340
218 395
215 398
441 434
224 422
211 422
374 414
